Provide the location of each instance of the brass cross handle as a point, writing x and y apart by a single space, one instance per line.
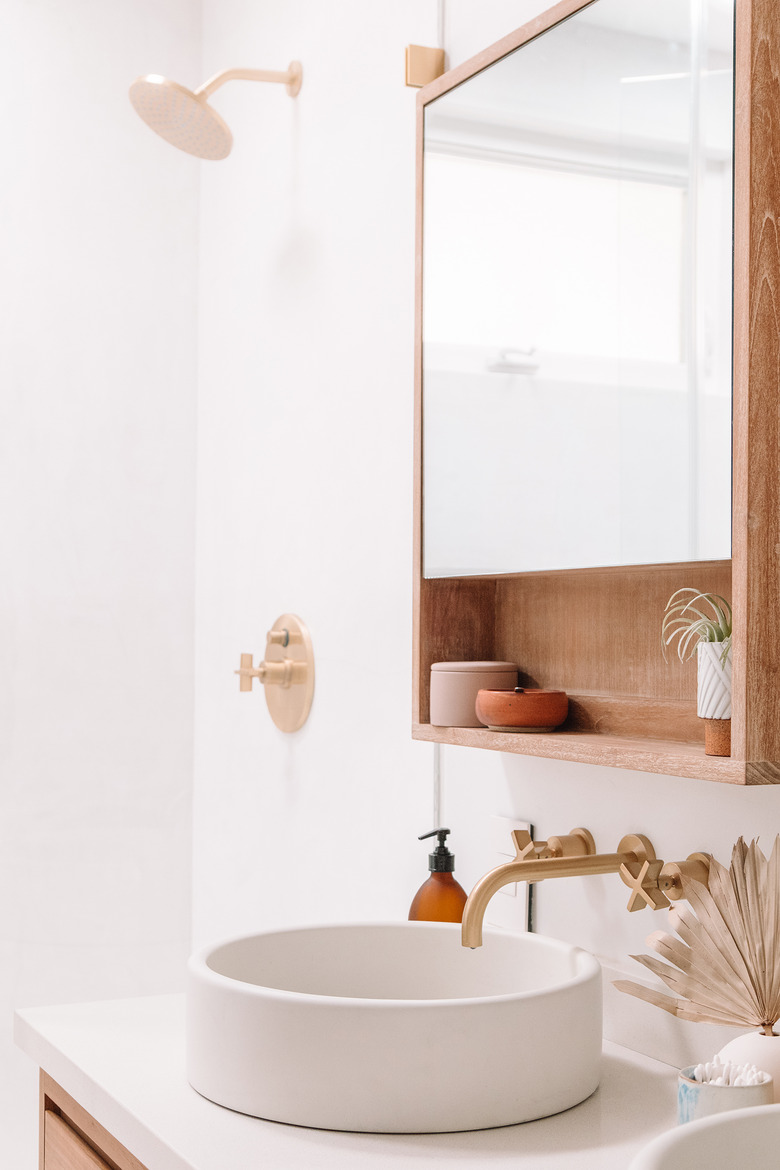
577 843
642 879
525 846
280 674
286 672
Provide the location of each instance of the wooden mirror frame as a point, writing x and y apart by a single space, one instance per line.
596 632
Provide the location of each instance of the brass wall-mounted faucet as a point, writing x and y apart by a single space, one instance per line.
652 883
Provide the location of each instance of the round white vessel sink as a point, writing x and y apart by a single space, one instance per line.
744 1137
394 1028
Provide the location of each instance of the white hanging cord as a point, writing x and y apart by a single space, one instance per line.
437 784
440 22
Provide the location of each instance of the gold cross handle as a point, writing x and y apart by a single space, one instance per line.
280 674
525 846
286 672
641 877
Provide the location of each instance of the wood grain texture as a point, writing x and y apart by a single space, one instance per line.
65 1150
763 772
668 758
598 631
662 719
456 622
756 544
54 1101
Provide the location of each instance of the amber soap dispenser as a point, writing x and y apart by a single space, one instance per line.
440 898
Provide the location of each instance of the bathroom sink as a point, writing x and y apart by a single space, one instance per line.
394 1028
743 1137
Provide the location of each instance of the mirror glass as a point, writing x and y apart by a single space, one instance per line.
576 309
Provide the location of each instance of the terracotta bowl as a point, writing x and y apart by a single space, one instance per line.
522 710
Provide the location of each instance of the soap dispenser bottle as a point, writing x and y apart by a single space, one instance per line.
440 898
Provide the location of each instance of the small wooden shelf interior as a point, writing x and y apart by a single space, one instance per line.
595 634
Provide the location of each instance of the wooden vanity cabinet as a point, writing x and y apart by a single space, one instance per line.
70 1139
596 632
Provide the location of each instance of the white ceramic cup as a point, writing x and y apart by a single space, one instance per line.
697 1099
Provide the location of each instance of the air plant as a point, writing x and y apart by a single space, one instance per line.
703 617
726 958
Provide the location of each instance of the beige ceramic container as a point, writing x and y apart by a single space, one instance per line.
522 710
454 687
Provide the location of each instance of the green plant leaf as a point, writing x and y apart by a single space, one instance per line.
687 618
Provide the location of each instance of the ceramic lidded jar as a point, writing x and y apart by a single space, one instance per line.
454 687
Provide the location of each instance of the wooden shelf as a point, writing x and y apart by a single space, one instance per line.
596 635
667 757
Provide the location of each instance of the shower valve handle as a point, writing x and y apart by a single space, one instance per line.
281 674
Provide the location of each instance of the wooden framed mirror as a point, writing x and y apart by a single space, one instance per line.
592 626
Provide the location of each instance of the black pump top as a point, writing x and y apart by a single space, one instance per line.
441 860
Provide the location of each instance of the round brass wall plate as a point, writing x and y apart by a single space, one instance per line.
289 705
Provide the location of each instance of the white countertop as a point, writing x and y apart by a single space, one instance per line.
123 1061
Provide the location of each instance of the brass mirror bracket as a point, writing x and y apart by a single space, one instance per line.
286 672
423 65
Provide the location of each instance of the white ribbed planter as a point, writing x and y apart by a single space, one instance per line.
714 690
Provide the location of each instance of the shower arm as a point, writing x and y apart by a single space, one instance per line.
291 78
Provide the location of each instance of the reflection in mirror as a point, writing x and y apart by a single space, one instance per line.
577 275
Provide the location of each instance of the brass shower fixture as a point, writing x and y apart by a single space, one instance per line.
286 672
184 118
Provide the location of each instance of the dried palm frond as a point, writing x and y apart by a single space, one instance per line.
725 960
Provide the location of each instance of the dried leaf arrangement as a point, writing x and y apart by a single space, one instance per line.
703 617
726 958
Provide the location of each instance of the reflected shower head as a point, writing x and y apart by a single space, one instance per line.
186 120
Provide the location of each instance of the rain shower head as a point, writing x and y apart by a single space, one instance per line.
186 120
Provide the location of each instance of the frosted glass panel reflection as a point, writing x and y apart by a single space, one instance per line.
577 298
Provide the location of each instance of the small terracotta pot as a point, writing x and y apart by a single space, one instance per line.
717 737
522 710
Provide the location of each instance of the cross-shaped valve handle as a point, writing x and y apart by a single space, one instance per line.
641 877
280 674
525 846
286 672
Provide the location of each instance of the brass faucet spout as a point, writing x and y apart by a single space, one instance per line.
651 882
533 870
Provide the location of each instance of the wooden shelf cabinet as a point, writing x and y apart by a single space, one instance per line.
596 633
71 1139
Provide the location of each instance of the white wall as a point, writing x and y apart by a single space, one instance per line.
305 504
97 422
305 470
